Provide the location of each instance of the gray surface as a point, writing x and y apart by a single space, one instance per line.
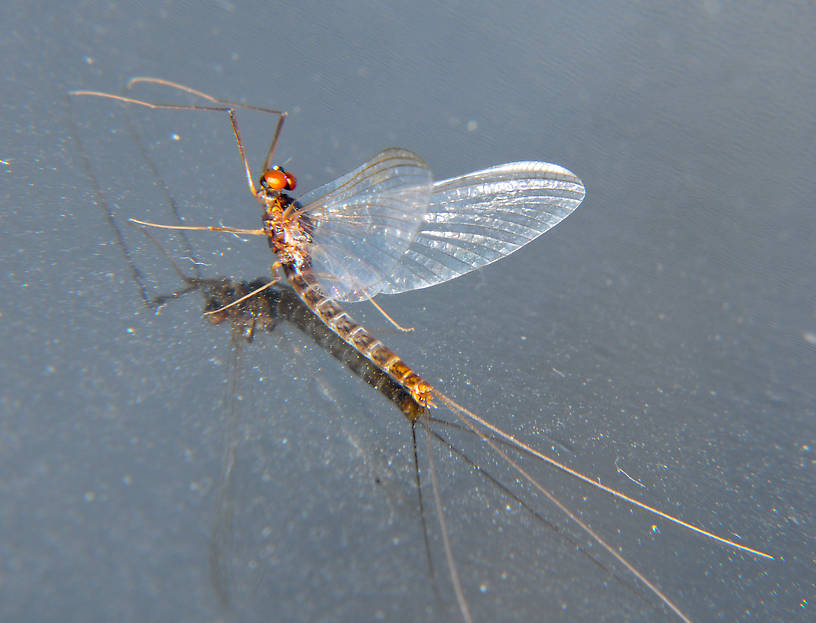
666 327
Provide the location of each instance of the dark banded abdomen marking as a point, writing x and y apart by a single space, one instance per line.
355 335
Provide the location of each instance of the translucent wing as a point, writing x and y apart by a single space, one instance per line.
364 221
475 219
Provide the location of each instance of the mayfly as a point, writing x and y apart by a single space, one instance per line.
386 227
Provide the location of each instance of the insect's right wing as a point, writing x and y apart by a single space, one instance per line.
478 218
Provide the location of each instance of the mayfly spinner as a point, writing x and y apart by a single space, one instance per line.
386 227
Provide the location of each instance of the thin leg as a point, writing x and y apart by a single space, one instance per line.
228 103
230 112
173 85
223 106
255 292
398 326
271 153
201 94
229 230
371 300
243 298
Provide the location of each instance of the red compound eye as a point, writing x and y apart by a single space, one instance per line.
291 181
278 179
275 179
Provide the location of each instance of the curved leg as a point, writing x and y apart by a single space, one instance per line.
222 106
217 100
211 98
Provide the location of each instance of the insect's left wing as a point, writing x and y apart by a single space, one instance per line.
478 218
365 220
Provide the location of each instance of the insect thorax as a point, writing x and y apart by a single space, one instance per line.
288 230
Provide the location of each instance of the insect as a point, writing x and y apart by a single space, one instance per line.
386 227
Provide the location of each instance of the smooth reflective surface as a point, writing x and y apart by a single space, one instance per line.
665 329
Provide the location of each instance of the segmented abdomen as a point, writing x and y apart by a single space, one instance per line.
355 335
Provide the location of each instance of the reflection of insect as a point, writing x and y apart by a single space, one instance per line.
263 312
386 227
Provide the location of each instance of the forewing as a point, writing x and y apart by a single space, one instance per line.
364 221
478 218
